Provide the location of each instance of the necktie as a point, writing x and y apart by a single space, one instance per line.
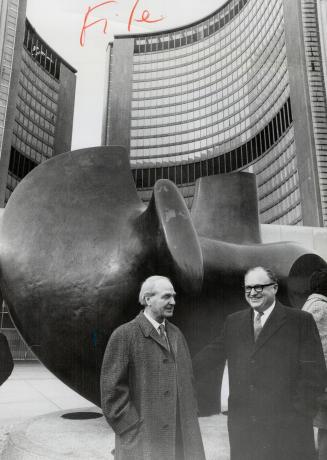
257 325
163 334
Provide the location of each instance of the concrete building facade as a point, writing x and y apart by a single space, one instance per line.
241 89
37 94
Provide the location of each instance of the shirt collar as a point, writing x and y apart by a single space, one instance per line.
154 323
267 312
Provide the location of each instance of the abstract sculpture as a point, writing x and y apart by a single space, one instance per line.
76 242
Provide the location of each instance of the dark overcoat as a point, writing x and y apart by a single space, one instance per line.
274 383
6 361
144 385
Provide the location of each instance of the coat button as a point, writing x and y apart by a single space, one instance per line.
165 427
251 387
167 393
252 361
165 360
253 418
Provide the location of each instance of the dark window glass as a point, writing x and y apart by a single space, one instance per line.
19 165
158 173
253 148
165 172
215 165
139 178
249 151
152 177
239 163
222 166
282 116
290 110
146 180
275 129
172 174
227 162
204 168
271 135
197 171
188 173
210 167
178 174
258 145
233 159
244 156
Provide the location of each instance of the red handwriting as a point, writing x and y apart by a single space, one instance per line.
144 17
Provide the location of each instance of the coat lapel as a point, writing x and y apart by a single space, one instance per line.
246 328
149 331
274 322
172 338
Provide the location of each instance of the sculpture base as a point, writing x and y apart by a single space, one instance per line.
72 435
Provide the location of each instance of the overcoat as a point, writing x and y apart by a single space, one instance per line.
316 304
274 383
144 385
6 361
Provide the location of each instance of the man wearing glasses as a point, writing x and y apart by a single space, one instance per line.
276 372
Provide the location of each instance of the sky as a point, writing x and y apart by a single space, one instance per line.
59 23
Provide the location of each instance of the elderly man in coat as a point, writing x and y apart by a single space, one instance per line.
146 383
276 372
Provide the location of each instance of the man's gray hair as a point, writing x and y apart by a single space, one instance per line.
148 287
269 272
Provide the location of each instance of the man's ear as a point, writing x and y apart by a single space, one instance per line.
147 300
276 288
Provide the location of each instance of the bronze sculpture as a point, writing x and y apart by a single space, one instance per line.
76 242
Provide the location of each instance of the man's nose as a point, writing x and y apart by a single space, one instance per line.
172 301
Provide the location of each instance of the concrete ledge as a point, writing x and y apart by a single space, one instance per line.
55 438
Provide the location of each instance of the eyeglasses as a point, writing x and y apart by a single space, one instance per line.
257 287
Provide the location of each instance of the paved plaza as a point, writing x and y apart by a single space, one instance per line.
32 403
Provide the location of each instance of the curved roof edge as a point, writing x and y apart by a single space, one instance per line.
69 66
173 29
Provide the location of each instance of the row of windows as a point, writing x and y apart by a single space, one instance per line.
191 35
252 43
27 141
35 117
292 217
278 157
45 94
41 53
194 145
37 106
228 162
250 40
37 152
197 86
39 78
20 165
41 98
25 127
210 117
281 208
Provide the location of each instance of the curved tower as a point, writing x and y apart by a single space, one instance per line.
37 99
242 89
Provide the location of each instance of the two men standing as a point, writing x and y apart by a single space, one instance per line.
276 372
146 383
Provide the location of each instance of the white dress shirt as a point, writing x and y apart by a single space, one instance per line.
154 323
265 314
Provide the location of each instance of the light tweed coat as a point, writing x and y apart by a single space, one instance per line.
316 304
142 383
